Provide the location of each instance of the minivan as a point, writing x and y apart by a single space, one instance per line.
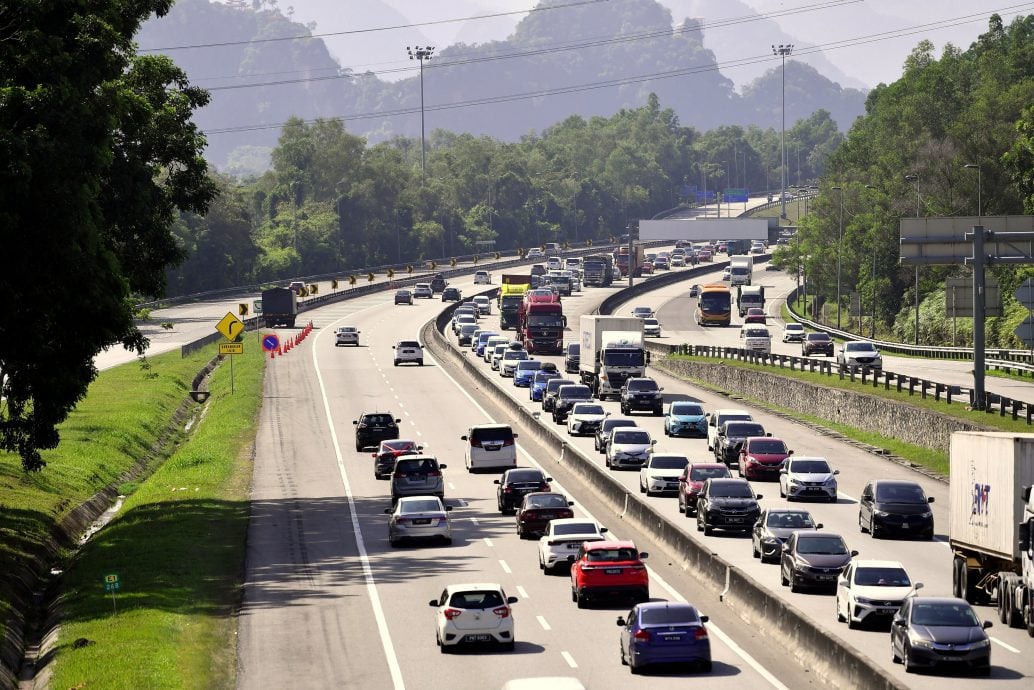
572 357
417 475
490 446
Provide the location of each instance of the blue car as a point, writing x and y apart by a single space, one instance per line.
538 383
664 632
525 371
483 341
685 419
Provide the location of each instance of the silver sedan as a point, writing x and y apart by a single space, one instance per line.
419 517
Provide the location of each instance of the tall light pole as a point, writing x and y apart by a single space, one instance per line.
782 51
979 305
840 240
421 53
872 322
915 178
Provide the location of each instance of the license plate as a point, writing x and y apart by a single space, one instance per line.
613 571
904 525
572 545
735 519
826 577
492 447
671 637
546 516
422 521
478 638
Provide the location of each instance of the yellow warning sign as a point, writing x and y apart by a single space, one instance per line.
230 326
231 348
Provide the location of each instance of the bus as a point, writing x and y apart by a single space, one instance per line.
714 305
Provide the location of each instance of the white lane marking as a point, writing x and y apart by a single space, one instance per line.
569 659
523 592
1004 645
488 542
474 520
364 558
505 567
543 623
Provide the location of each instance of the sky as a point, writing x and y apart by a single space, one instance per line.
840 38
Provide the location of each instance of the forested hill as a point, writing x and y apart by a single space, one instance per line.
589 59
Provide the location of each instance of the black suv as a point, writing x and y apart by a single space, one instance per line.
728 504
373 427
642 394
438 283
515 484
603 432
817 344
895 506
451 295
730 439
549 395
566 397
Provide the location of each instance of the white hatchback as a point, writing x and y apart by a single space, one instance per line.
563 538
473 614
870 590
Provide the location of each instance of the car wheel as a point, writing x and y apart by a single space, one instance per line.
873 529
642 489
754 551
666 432
396 362
906 659
861 526
794 586
700 525
852 623
782 577
420 362
782 494
358 448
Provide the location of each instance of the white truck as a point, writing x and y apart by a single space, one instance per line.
611 352
991 521
750 296
741 270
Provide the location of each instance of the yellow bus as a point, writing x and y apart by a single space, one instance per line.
714 305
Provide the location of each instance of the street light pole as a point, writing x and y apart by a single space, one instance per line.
872 322
782 51
421 53
840 240
915 178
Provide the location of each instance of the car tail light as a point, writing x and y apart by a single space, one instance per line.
451 613
544 486
402 521
642 636
637 568
567 513
507 489
508 442
502 611
434 473
700 633
526 516
474 443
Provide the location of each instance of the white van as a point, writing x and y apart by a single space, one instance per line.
490 446
718 417
756 338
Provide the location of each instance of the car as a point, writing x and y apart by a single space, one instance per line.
727 504
572 357
664 632
497 355
694 291
755 315
525 372
813 559
535 253
762 457
685 419
510 359
537 509
858 355
473 614
585 418
346 335
373 427
660 474
465 335
298 288
705 255
403 297
646 267
469 307
895 506
661 263
731 436
928 632
423 291
691 481
563 537
408 352
608 568
727 274
808 477
615 273
482 278
438 284
458 320
551 391
451 294
773 528
538 383
384 458
515 483
793 333
489 446
417 475
642 312
478 347
721 416
651 328
566 398
817 343
602 435
488 349
628 447
641 393
872 591
678 261
484 304
419 517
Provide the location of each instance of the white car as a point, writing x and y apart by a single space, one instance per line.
473 614
408 352
870 590
459 321
553 263
482 278
510 359
484 304
585 418
423 290
803 477
727 274
859 355
491 344
497 355
563 538
419 517
346 335
651 328
628 447
534 253
793 333
678 261
661 473
575 278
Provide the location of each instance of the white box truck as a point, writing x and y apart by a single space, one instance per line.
750 296
612 351
990 521
741 270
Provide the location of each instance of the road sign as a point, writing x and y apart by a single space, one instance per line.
1025 331
314 288
942 240
230 326
738 194
256 306
958 297
242 308
856 304
231 348
1025 293
270 342
112 583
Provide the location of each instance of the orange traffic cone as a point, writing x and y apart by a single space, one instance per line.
272 354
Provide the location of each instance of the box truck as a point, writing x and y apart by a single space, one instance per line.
279 307
741 270
611 352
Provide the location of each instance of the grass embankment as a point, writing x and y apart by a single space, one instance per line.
178 542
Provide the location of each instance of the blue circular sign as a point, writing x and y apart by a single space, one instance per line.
270 342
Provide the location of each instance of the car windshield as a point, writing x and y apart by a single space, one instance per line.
604 555
547 501
810 467
378 419
639 385
768 447
742 430
671 614
546 321
882 577
858 347
624 358
794 327
790 520
669 462
822 546
524 476
574 528
422 505
637 437
900 493
756 333
515 355
732 490
588 409
944 614
476 600
701 473
818 337
687 410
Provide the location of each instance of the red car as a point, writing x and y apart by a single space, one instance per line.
538 509
692 480
384 458
755 315
761 457
704 255
647 267
608 568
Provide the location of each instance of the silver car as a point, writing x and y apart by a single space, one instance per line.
628 447
347 335
803 477
417 475
419 517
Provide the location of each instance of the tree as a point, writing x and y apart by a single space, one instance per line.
99 156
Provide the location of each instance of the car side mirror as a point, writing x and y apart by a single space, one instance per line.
549 479
511 600
986 625
398 421
929 499
570 559
853 554
819 526
419 447
373 455
758 497
786 547
653 442
836 471
789 452
704 619
387 511
769 433
602 530
917 586
782 471
515 435
392 347
643 555
621 621
355 421
433 603
660 389
898 622
495 481
442 467
570 503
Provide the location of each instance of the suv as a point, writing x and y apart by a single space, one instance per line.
347 335
728 504
721 416
604 568
858 355
482 278
642 394
895 505
562 537
417 475
438 283
603 432
566 397
731 436
423 290
373 427
572 356
517 482
408 351
451 294
489 445
484 304
793 333
817 343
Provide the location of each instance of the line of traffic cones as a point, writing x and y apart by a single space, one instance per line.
291 343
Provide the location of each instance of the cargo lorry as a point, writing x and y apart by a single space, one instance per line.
511 293
598 270
541 323
621 259
750 296
611 352
279 307
741 270
990 521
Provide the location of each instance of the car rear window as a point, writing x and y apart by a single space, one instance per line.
554 384
731 490
576 391
493 435
476 600
603 555
882 577
524 476
547 501
378 419
669 615
574 528
424 505
631 437
821 546
742 430
789 520
415 466
609 424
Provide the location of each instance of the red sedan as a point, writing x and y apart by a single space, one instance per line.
755 315
761 457
538 509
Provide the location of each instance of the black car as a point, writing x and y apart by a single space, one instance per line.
549 395
373 427
566 397
928 632
728 504
572 357
515 484
438 283
895 506
603 432
774 527
817 344
451 294
813 559
730 439
642 393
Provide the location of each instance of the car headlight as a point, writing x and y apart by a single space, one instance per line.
919 642
863 601
880 513
830 482
927 514
794 481
801 566
980 644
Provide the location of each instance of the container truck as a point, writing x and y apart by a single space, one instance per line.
638 256
611 352
990 521
598 270
741 270
279 307
511 293
541 322
750 296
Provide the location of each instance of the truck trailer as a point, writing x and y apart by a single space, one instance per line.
279 307
598 270
611 352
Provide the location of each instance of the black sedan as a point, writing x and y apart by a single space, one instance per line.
774 527
813 559
930 632
515 484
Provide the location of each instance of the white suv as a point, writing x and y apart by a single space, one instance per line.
408 351
491 446
482 278
484 304
423 290
473 614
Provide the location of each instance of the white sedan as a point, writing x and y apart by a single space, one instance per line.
563 538
473 614
661 473
872 590
346 335
585 418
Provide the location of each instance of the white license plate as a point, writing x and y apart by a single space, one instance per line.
478 638
735 519
904 525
